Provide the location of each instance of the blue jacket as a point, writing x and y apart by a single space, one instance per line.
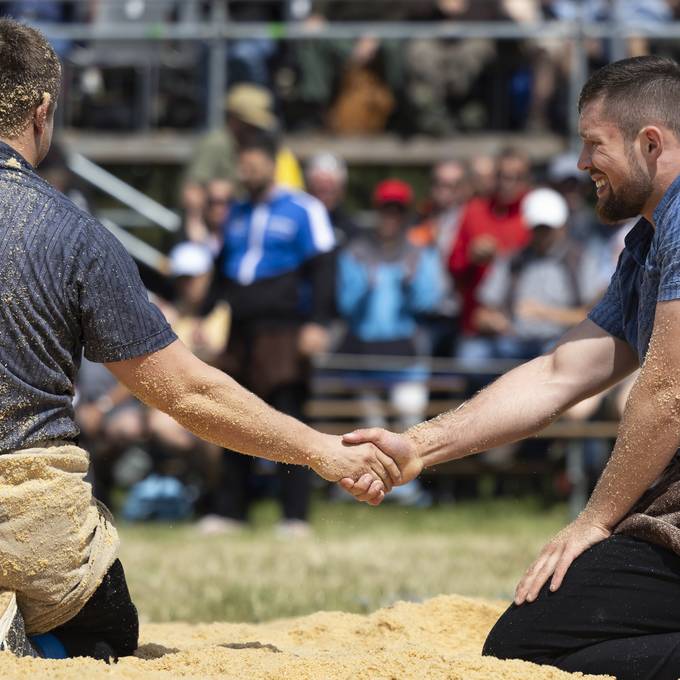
380 298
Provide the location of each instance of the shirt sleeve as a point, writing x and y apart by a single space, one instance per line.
608 312
117 319
316 234
494 288
668 257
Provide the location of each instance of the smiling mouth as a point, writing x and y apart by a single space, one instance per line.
600 185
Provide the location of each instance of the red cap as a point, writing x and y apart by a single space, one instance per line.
393 191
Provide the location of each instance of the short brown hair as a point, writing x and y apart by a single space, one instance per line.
29 67
636 92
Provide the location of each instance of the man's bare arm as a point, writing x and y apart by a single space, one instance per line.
649 436
216 408
525 400
586 361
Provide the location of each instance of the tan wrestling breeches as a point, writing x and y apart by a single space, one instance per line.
56 542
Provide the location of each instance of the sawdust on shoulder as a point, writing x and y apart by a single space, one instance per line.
439 639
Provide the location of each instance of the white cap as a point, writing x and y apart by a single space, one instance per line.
546 207
327 162
190 259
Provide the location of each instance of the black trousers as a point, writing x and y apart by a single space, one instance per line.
107 626
617 612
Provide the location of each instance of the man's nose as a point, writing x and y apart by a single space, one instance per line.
584 159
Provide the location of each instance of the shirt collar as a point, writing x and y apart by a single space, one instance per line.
638 240
7 153
661 209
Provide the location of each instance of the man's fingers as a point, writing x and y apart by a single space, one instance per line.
378 500
560 570
362 485
369 434
391 467
375 492
381 473
347 483
539 579
525 583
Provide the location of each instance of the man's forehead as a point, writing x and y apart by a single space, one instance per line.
593 119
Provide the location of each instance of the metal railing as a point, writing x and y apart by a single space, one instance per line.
214 31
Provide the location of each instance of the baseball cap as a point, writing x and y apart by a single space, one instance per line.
252 104
190 259
327 162
544 207
393 191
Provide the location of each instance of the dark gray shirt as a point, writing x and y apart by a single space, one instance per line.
648 272
66 286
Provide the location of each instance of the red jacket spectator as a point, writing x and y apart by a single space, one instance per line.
487 229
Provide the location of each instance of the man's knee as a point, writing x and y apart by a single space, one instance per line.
510 638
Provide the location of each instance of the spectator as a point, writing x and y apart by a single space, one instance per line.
249 112
326 177
530 299
483 175
441 72
384 283
450 190
274 271
250 60
351 86
218 196
489 227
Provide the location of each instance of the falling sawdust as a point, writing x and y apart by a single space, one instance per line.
439 639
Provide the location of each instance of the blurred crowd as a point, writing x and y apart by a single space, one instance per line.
492 262
348 86
495 261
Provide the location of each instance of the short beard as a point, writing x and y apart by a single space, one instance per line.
629 200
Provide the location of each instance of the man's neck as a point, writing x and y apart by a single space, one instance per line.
23 147
263 195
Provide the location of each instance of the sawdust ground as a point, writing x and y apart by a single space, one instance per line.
440 638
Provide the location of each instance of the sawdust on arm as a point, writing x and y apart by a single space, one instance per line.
216 408
525 400
649 434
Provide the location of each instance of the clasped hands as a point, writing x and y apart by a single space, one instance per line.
368 463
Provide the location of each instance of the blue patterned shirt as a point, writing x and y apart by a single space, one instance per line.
67 286
648 272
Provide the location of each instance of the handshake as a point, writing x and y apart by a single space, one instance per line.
368 463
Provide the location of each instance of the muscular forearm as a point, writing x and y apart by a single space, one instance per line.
648 438
518 404
214 407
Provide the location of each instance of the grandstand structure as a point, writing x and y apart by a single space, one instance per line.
150 35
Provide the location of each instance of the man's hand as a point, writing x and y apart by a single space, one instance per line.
398 447
557 556
366 465
313 339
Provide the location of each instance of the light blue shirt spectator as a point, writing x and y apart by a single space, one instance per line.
380 298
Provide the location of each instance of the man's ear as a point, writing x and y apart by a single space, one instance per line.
42 113
651 143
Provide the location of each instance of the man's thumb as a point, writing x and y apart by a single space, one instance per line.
362 436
